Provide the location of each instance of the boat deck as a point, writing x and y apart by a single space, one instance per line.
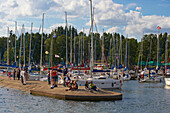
41 88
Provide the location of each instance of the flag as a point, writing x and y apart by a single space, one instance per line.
159 27
57 56
54 36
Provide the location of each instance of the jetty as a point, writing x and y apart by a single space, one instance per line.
41 88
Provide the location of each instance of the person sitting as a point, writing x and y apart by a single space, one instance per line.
66 80
86 85
92 86
74 86
69 86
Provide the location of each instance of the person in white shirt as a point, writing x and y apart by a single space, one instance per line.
23 79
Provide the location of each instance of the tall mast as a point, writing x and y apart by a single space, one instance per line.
150 49
103 48
81 53
41 45
71 47
95 52
20 46
15 41
66 39
126 53
83 45
91 63
8 35
158 49
74 47
166 52
121 48
142 51
79 57
30 45
24 43
51 50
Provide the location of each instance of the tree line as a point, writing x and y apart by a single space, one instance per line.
117 48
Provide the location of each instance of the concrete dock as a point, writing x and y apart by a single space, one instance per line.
41 88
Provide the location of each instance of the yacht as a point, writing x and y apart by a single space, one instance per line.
167 77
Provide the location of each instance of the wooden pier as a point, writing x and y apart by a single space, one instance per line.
41 88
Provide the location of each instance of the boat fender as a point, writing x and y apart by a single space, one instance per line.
112 85
120 81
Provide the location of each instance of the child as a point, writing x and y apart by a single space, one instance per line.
9 74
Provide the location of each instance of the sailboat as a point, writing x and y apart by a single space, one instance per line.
99 80
151 75
167 67
124 73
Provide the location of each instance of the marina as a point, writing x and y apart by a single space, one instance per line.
84 56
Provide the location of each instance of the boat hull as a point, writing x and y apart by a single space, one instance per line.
103 84
167 81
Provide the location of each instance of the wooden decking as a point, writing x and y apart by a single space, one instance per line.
41 88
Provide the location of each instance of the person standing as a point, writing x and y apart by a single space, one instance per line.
18 74
48 75
66 80
23 79
14 71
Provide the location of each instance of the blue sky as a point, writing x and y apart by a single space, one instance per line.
132 17
150 7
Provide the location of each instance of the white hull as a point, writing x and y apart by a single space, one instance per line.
102 83
167 81
125 78
154 79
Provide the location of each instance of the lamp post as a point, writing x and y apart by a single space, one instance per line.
46 52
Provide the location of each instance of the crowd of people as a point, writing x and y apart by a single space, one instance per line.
53 76
18 74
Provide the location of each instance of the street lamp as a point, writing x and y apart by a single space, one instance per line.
46 52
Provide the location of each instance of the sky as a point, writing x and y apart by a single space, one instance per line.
132 18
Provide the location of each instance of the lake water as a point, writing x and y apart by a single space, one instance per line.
137 98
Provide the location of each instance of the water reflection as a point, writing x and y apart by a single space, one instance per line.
137 97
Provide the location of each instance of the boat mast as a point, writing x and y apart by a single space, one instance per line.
91 63
24 44
30 45
79 57
142 51
83 45
20 47
41 45
158 49
126 57
66 38
8 35
71 47
150 50
74 47
166 52
51 50
15 41
103 48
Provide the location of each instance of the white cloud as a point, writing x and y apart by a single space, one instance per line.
138 8
107 14
113 29
131 5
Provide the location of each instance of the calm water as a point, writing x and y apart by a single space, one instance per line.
137 98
